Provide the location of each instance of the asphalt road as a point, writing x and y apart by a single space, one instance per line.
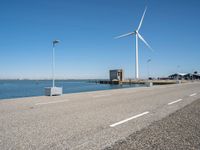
91 120
179 130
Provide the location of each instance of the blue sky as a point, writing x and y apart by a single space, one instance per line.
86 29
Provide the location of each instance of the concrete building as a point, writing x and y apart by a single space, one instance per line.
116 75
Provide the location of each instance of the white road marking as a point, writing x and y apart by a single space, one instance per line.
53 102
129 92
128 119
103 95
175 102
193 94
81 145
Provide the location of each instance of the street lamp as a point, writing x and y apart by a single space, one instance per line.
178 67
53 61
148 61
53 91
148 83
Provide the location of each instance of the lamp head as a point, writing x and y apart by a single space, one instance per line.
55 42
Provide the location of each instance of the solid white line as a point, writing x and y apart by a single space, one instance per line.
53 102
175 102
128 119
193 94
104 95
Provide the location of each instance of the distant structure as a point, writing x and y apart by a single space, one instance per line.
178 76
185 76
117 75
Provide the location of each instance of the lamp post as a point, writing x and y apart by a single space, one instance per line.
53 91
148 83
178 67
53 61
148 61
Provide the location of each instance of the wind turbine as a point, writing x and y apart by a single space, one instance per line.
138 35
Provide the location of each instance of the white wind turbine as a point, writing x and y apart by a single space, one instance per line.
138 35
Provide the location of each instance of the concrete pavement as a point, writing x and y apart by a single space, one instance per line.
91 120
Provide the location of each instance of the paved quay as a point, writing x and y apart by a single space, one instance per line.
179 130
90 120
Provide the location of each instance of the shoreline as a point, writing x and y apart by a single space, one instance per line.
75 93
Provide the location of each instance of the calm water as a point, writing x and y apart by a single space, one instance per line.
27 88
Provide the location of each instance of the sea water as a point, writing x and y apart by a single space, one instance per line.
27 88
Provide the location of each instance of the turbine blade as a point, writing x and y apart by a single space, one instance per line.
144 41
124 35
142 19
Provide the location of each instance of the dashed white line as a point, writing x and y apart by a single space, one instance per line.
103 95
129 92
81 146
128 119
175 102
193 94
53 102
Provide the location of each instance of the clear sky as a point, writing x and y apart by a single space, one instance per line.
86 29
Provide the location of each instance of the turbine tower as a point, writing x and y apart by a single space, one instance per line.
138 35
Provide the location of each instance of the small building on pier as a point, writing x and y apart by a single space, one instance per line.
117 75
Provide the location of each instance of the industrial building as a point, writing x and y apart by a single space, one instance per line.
185 76
177 76
117 75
